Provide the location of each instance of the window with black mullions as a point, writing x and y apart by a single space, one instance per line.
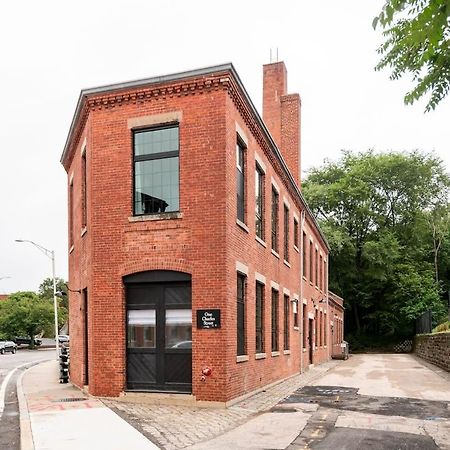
240 316
259 318
259 199
275 320
156 170
240 180
275 197
286 322
286 233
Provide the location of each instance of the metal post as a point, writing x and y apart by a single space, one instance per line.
49 254
55 306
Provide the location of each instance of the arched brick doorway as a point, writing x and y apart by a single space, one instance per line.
159 331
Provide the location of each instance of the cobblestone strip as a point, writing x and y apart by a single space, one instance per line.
176 427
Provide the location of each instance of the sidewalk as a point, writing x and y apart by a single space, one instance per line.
54 416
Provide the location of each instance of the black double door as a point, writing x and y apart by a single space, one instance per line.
159 335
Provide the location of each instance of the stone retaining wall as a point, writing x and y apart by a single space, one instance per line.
434 348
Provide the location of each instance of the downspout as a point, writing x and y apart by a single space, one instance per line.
300 305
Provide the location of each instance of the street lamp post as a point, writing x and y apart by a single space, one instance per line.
50 254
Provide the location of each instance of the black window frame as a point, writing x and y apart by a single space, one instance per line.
240 172
286 233
305 259
241 341
275 219
154 156
84 189
71 214
259 314
296 235
259 201
275 321
286 322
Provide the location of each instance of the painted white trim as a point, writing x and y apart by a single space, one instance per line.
260 278
260 241
83 147
274 285
240 267
242 225
260 162
275 185
241 134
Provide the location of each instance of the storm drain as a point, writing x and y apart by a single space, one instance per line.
70 399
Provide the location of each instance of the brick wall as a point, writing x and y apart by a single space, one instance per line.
204 240
434 348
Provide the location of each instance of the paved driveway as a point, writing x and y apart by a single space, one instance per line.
385 402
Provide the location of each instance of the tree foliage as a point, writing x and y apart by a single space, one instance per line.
46 290
417 41
375 210
26 314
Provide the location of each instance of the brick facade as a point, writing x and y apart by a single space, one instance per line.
203 239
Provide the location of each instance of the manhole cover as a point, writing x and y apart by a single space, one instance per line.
70 399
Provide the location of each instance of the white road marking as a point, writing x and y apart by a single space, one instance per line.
6 380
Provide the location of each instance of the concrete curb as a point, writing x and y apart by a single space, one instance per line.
26 436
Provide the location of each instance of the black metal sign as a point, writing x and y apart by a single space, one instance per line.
208 318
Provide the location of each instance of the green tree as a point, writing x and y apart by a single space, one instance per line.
26 314
46 290
417 41
375 210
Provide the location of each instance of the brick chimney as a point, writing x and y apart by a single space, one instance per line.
281 114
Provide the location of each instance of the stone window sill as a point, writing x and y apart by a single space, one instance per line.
260 241
287 264
242 358
275 353
260 356
286 352
163 216
71 248
296 249
274 253
83 231
242 225
296 328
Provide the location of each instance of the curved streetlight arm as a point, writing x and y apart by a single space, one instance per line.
49 253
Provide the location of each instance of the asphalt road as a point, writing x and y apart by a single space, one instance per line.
9 420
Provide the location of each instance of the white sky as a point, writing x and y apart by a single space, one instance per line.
50 50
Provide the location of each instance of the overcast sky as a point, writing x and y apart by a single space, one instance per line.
50 50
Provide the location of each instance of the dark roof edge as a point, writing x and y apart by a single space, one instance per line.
191 74
278 154
136 83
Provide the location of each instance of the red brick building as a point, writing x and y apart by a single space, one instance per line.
199 266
